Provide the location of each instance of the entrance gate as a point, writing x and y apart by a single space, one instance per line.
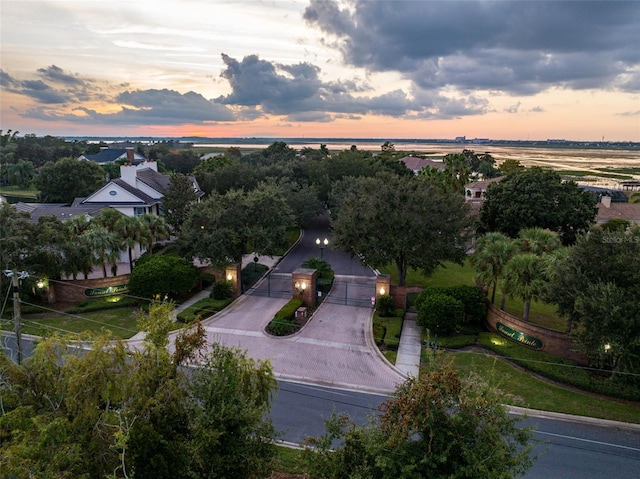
273 285
352 291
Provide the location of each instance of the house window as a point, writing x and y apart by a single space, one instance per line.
139 211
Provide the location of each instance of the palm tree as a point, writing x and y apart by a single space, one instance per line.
524 277
157 229
493 252
132 232
104 245
458 170
538 241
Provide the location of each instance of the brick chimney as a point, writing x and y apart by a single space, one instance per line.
130 155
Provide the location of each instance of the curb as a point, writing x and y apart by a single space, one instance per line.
531 413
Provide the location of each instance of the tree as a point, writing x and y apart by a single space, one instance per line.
68 178
457 171
224 227
511 166
524 277
154 229
178 198
401 220
111 412
20 173
230 400
437 425
104 245
492 253
596 285
163 275
539 198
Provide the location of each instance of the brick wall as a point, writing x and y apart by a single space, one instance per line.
553 342
74 291
399 294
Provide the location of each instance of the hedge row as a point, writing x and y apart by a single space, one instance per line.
203 308
283 323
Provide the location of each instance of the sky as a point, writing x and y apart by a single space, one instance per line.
322 68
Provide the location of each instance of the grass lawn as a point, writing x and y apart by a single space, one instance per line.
121 322
527 391
453 274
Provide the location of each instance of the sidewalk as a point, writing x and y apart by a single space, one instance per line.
408 359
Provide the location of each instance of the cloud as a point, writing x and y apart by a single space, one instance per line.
513 108
513 47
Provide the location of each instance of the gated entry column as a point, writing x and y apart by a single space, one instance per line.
303 285
383 285
232 274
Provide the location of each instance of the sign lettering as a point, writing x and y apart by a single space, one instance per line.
519 336
106 291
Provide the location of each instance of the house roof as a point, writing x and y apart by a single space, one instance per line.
155 180
416 164
625 211
109 155
62 211
482 184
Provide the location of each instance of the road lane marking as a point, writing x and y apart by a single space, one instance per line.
589 441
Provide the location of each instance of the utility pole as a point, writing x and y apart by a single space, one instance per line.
15 287
16 313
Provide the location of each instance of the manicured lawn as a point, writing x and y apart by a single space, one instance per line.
453 274
527 391
120 322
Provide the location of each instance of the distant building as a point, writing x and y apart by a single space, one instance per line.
416 164
108 155
607 211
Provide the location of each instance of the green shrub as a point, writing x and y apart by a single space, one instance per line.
558 369
386 306
222 289
282 327
440 313
203 308
163 275
283 323
471 297
99 304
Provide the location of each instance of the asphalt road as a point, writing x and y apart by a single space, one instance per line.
566 450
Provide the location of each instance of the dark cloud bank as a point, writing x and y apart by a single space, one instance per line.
516 48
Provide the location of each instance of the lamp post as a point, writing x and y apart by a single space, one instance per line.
322 245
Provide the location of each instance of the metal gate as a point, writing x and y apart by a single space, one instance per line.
273 285
352 291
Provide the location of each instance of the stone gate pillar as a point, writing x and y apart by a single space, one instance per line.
383 285
303 285
233 274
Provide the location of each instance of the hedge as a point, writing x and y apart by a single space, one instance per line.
203 308
283 323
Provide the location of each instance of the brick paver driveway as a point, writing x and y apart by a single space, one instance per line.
335 348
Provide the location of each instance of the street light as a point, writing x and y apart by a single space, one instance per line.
322 245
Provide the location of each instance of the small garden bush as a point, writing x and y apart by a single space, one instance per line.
202 309
386 306
283 323
222 289
110 302
440 313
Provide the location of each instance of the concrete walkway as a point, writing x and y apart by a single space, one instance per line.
408 359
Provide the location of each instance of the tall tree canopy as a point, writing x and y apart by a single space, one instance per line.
65 179
597 285
537 197
225 226
402 220
177 200
435 426
111 412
